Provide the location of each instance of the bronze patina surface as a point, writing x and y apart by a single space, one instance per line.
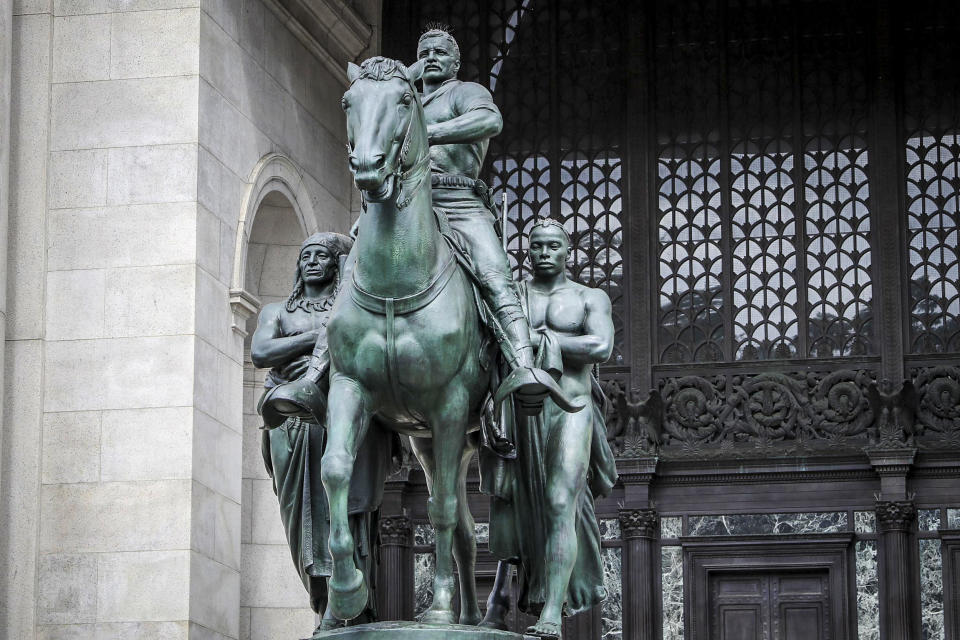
291 340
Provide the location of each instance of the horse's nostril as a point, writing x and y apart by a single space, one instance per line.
353 163
380 160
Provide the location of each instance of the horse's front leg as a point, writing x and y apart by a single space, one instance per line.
449 425
348 416
465 544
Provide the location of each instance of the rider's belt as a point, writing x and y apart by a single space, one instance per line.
451 180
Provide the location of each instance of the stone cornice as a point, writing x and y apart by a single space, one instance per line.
329 29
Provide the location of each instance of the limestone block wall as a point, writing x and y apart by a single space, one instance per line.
135 129
266 89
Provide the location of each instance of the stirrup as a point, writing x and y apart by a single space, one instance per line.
531 386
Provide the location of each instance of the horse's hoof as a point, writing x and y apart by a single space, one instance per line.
348 601
438 616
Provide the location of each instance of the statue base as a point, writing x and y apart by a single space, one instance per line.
417 631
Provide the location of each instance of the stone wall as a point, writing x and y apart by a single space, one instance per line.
136 129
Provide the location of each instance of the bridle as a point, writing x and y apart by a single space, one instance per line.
416 173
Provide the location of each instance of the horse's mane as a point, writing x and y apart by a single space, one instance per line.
380 68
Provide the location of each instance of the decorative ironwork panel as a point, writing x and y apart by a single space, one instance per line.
762 194
687 111
762 158
834 170
932 134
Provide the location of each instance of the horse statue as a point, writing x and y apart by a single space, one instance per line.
405 339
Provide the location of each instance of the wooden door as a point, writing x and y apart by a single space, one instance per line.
769 606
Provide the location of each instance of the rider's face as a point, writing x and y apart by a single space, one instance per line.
317 265
548 250
440 59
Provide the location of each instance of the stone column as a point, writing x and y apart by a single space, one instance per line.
640 529
898 594
395 574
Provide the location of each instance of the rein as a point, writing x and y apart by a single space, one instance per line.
403 199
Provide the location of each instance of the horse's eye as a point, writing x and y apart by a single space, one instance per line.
406 99
343 104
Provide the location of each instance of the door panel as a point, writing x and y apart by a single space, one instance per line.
769 606
739 622
801 623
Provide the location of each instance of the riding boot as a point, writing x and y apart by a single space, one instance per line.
529 384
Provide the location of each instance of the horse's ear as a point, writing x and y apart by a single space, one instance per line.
353 71
415 70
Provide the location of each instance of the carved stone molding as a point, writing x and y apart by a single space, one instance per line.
887 462
639 523
895 515
397 530
789 411
243 305
938 403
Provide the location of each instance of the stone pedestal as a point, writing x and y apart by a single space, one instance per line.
416 631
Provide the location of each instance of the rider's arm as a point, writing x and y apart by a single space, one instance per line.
478 117
269 349
595 345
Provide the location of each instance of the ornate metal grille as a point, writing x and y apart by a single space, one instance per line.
932 134
763 235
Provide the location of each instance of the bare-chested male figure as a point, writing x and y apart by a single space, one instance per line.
461 118
547 524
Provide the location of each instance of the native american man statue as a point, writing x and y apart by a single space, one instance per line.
291 340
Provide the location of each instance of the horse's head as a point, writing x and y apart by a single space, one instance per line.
385 127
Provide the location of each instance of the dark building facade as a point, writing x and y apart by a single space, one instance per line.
769 191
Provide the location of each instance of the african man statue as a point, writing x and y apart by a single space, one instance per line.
542 516
291 340
461 118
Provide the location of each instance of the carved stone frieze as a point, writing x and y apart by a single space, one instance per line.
396 530
779 410
639 523
895 515
938 403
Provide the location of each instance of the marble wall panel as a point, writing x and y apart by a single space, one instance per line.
864 521
671 586
482 532
928 519
953 518
611 611
424 568
768 523
671 527
609 528
868 591
423 534
931 590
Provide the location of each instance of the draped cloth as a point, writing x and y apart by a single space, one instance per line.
518 522
292 454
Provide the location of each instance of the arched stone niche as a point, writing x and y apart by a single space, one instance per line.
277 215
274 179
